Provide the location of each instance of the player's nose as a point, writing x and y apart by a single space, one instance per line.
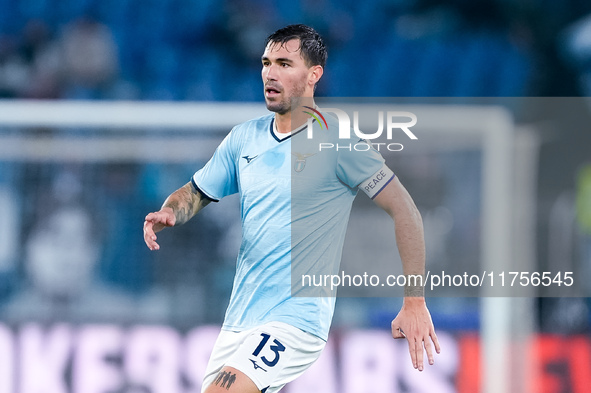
270 73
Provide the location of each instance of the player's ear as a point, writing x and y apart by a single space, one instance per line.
314 74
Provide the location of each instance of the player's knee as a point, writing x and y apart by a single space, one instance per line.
231 380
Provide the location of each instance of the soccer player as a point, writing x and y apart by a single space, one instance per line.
269 336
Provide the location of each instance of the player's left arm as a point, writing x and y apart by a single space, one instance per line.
413 322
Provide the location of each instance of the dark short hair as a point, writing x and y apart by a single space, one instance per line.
312 47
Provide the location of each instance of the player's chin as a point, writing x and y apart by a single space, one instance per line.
277 107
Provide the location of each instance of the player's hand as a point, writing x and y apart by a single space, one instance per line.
154 223
413 322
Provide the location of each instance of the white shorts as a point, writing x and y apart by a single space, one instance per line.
271 355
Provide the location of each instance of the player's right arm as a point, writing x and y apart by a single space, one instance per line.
177 209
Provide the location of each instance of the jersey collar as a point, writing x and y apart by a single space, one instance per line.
294 132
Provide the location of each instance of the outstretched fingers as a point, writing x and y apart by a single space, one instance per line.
429 350
416 346
155 222
414 324
150 235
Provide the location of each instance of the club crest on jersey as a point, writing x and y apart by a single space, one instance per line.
300 162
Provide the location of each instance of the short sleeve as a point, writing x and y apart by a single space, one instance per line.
356 166
218 178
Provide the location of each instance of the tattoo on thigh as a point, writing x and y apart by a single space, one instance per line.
225 379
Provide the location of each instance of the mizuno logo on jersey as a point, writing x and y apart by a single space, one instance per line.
249 159
256 366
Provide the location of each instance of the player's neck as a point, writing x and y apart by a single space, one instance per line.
283 123
294 119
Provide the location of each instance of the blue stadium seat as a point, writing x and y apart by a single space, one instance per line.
515 75
202 69
65 11
114 13
193 21
436 71
160 74
247 87
11 20
290 11
392 74
32 9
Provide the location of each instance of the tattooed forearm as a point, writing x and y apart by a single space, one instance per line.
185 203
415 285
414 291
182 211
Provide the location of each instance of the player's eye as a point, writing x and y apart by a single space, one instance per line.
284 65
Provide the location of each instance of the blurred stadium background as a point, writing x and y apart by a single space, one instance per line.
85 307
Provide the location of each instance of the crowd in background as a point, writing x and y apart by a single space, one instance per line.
207 50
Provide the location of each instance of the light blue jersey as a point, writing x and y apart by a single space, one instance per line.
295 203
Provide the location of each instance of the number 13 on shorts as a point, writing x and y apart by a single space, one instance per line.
277 348
265 356
270 355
